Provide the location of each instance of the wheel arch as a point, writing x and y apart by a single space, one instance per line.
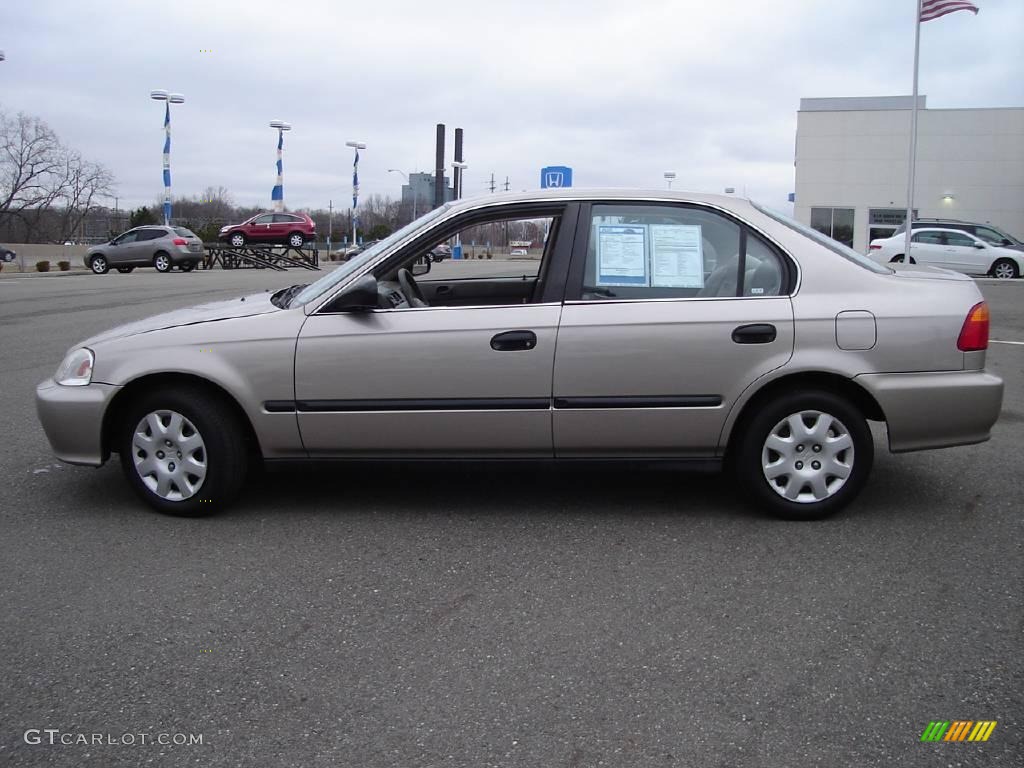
114 413
836 383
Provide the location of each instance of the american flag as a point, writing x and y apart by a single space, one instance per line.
932 9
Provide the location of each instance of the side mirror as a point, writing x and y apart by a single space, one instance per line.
1006 242
979 245
361 296
421 266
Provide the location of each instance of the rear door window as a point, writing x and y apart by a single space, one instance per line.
672 252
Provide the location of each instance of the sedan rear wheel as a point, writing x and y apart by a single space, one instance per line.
162 262
182 452
805 456
98 264
899 259
1005 269
296 239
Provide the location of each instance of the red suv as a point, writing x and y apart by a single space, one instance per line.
292 229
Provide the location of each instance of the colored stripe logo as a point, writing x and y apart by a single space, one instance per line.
958 730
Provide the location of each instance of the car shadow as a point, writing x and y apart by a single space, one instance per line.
466 488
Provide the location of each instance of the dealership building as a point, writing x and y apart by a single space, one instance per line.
851 166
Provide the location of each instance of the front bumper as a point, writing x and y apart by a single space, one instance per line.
72 418
936 410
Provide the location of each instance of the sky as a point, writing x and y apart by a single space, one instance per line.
619 91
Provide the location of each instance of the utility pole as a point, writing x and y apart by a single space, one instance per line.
506 184
330 225
492 183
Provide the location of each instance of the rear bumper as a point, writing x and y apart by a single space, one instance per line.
72 418
936 410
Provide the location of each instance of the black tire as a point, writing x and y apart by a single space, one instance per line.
187 266
296 239
125 270
751 453
225 449
162 262
236 240
1005 269
98 264
898 259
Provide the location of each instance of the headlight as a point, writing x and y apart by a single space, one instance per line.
76 370
224 229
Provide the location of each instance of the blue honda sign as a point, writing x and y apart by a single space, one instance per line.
555 176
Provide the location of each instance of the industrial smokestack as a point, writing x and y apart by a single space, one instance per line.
458 158
439 168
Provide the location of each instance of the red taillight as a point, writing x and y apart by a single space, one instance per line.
180 241
974 334
874 247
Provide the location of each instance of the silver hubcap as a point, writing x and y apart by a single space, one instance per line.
807 457
1004 271
296 241
161 262
99 264
236 241
170 455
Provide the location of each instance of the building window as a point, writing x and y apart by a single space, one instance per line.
836 223
886 222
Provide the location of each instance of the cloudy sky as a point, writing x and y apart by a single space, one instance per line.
620 91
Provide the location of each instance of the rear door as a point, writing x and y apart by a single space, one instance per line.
146 245
284 224
671 312
928 246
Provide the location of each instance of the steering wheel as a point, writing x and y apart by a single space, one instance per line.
412 291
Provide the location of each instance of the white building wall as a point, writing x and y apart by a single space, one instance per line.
857 158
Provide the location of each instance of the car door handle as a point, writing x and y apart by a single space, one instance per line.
444 290
757 333
510 341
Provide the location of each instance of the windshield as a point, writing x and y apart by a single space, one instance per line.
338 275
833 245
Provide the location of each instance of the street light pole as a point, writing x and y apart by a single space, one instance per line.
277 193
169 98
356 145
459 166
406 177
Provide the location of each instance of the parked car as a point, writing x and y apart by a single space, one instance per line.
772 365
950 249
292 229
6 254
518 253
990 234
162 248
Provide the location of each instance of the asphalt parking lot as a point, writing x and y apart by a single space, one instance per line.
480 616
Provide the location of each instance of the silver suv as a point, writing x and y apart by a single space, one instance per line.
162 248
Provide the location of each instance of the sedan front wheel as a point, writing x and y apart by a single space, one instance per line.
804 455
182 452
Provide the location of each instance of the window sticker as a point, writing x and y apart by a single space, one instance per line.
622 255
677 256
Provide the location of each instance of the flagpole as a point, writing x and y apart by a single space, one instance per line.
913 137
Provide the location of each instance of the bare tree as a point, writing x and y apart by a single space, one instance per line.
47 187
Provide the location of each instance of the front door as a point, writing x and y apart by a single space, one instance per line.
965 254
675 310
468 375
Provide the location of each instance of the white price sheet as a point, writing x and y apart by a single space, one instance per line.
622 255
677 256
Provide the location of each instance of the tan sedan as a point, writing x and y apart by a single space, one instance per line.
653 325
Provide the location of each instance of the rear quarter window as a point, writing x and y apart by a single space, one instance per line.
182 232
